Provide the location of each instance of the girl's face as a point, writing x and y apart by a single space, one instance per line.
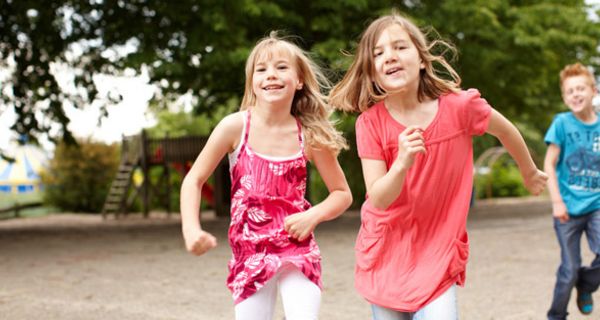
275 78
578 93
396 60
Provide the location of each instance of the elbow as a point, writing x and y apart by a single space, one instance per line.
192 181
348 200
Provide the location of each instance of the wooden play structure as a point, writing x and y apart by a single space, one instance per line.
140 154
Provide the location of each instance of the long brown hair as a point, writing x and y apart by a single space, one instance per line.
309 104
358 90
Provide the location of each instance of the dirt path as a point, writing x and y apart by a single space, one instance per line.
80 267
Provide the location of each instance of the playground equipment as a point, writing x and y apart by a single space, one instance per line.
485 162
22 175
139 154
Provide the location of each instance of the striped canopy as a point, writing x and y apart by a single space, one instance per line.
22 175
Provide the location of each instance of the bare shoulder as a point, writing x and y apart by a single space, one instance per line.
232 122
230 128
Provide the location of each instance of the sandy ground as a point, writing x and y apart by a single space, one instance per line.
79 267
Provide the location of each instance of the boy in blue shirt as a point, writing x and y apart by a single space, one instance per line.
573 166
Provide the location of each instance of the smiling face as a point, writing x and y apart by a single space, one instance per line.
396 61
578 93
275 77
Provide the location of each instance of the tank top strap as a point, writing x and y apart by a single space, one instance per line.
246 126
300 136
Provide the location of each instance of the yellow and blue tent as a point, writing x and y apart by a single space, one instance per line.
22 175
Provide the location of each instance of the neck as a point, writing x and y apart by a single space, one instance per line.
272 114
402 101
587 115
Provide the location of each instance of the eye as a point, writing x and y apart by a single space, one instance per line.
401 47
377 53
282 67
260 69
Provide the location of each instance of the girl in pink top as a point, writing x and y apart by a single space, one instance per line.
283 124
414 140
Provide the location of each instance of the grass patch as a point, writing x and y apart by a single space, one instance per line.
10 199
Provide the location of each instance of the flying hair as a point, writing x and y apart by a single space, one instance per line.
358 90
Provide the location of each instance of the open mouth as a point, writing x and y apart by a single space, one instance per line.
272 87
577 102
393 70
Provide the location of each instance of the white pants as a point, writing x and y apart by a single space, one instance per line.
301 298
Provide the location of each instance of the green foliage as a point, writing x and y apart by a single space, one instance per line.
504 180
179 124
350 165
79 176
510 50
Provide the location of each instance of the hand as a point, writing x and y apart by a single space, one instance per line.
198 242
535 182
410 142
301 225
559 211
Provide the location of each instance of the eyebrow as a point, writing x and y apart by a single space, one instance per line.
276 62
400 41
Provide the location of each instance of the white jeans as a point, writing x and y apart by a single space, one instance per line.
301 298
442 308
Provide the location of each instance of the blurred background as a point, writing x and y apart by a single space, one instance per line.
78 79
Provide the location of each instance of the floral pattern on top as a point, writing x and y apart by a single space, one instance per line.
264 193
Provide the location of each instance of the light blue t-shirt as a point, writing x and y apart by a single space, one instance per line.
578 167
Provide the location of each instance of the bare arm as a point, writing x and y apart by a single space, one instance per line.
219 143
302 224
559 209
383 185
512 140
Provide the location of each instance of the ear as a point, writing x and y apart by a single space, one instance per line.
300 85
422 65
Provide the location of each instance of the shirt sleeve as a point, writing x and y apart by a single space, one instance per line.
368 142
555 133
477 112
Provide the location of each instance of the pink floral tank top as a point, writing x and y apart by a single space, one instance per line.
264 192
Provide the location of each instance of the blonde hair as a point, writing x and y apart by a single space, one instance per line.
574 70
309 104
358 90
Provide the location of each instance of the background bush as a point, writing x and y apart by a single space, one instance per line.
79 176
504 180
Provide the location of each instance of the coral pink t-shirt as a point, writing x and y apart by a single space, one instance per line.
412 252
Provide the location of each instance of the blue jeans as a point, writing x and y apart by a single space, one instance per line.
570 273
442 308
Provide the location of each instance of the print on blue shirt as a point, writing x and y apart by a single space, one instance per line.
578 166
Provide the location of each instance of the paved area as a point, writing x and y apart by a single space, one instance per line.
80 267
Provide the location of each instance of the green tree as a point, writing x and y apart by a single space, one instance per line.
510 50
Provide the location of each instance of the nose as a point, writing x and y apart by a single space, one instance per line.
271 72
390 56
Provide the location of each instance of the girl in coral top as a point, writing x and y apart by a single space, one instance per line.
414 140
283 124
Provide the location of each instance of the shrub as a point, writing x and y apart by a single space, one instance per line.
79 176
503 180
